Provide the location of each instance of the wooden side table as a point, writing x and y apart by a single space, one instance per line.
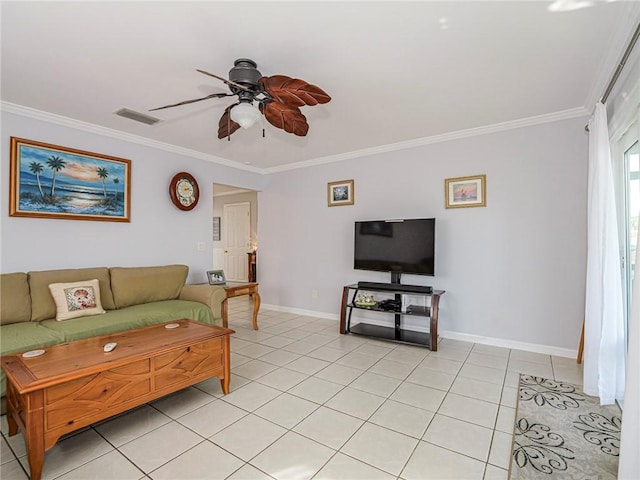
237 289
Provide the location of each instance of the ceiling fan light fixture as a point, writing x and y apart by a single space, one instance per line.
245 114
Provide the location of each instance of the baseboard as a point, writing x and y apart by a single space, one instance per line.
300 311
466 337
501 342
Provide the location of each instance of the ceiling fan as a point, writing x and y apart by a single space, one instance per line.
278 98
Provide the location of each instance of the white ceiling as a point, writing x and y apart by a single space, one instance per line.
398 72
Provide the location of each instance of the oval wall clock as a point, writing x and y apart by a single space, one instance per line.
184 191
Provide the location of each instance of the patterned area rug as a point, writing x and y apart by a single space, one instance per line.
562 433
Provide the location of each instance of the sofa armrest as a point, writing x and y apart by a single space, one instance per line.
211 295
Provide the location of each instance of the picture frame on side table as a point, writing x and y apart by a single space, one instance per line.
340 193
50 181
463 192
216 277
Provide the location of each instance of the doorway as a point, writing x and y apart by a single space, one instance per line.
236 240
235 213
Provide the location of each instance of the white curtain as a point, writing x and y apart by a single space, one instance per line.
604 347
629 466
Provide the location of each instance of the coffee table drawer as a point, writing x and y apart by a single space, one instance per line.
90 395
182 366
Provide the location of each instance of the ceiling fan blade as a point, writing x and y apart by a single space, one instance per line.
287 117
293 91
228 82
226 126
213 95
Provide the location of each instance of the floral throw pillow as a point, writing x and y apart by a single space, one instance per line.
77 299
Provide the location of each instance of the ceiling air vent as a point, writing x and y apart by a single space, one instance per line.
137 116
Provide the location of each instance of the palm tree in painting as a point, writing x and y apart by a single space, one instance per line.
116 181
56 164
103 173
37 168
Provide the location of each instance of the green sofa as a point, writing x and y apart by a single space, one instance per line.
132 297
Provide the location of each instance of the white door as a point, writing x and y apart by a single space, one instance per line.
236 232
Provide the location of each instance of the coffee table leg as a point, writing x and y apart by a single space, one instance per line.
256 307
13 425
34 434
226 365
36 460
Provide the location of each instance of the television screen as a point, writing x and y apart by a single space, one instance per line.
397 246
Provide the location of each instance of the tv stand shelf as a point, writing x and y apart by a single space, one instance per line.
395 333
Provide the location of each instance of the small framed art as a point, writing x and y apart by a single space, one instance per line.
216 277
464 192
340 193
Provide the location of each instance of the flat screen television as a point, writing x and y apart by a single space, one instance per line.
396 246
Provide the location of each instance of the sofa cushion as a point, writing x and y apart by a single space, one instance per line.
76 299
138 285
16 301
42 305
20 337
128 318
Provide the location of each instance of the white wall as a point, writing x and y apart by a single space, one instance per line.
158 233
513 270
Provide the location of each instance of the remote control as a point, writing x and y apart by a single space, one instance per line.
110 346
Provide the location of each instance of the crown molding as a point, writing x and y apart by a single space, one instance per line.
445 137
119 135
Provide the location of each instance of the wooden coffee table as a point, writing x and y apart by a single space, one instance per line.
76 384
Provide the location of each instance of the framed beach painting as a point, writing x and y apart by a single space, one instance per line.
465 192
50 181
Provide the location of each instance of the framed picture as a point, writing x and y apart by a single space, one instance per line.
216 277
49 181
216 229
340 193
465 192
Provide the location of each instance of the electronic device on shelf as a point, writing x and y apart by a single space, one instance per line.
390 304
396 246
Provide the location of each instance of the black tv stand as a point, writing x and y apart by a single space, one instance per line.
391 287
395 333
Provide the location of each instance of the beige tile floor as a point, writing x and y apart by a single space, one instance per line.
307 402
